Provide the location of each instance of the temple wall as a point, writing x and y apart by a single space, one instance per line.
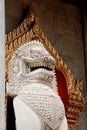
85 39
61 23
84 115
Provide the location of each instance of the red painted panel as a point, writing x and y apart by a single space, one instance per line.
62 87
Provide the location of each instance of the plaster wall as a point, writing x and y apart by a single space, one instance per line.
84 115
85 39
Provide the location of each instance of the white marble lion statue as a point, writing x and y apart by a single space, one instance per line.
32 84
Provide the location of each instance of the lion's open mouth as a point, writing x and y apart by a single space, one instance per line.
40 67
33 67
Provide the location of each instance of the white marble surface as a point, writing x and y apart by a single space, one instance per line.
2 65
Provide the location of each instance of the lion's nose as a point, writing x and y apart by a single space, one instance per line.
49 59
46 58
